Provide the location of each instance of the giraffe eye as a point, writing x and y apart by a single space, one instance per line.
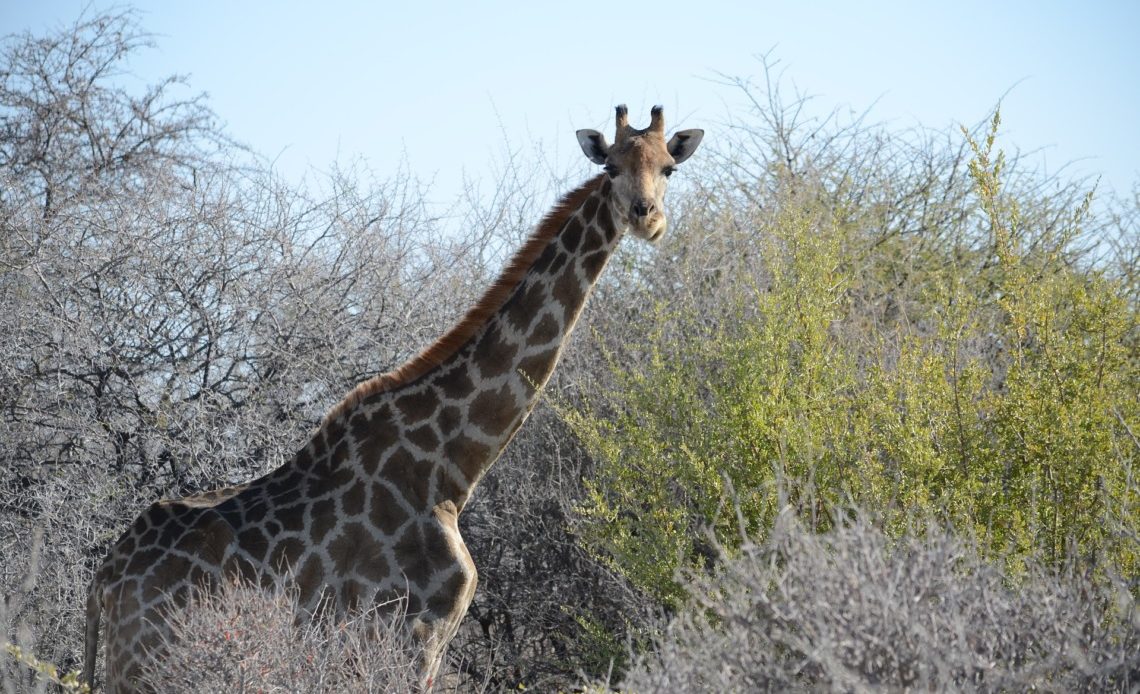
612 170
668 171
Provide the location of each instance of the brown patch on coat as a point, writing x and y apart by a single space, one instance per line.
494 411
417 406
303 460
592 241
447 488
285 555
292 518
352 501
408 474
309 578
410 555
544 331
456 384
446 598
375 568
593 265
254 542
385 512
606 224
424 438
572 235
352 547
590 209
469 456
525 304
494 354
568 291
374 436
322 519
449 419
538 367
142 561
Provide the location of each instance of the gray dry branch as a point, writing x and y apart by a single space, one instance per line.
240 638
175 316
852 611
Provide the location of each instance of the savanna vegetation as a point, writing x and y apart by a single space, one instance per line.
868 417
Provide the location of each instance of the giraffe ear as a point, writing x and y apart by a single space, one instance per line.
594 145
683 144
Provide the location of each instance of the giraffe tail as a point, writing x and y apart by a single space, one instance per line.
91 634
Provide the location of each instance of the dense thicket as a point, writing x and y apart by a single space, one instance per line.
983 371
841 314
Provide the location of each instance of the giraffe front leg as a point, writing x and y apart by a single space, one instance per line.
432 632
432 637
444 598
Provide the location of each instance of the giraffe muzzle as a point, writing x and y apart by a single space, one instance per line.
645 219
640 209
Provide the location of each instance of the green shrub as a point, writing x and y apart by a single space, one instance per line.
1002 398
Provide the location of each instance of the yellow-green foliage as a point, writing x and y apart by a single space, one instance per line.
45 671
1006 402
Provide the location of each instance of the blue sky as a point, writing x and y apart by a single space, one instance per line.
451 87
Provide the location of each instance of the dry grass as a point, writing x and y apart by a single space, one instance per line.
244 639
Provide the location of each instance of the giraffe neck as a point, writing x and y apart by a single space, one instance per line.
431 430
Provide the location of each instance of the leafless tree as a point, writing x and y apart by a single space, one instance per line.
176 318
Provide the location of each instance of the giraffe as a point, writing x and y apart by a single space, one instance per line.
367 511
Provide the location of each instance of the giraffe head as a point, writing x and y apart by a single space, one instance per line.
638 164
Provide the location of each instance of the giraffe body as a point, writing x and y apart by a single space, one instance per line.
367 512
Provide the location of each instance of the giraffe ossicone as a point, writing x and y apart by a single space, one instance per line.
367 511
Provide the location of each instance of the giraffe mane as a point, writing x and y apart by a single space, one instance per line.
492 300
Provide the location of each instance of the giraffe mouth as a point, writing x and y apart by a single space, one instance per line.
650 228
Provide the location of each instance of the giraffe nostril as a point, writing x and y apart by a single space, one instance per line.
641 208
